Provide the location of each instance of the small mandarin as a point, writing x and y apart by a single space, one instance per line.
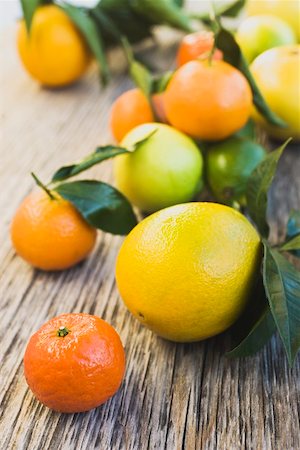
50 233
196 45
208 100
74 363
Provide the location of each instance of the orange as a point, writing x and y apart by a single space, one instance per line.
186 272
208 101
74 363
196 45
51 234
129 110
55 53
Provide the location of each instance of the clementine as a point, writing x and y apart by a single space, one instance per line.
129 110
208 100
74 363
197 45
50 233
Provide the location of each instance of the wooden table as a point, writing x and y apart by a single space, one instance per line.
173 396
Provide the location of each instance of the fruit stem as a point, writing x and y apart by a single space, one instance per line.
62 331
215 29
42 186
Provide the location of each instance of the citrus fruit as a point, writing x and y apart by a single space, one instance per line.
288 10
186 272
208 101
164 170
277 74
259 33
74 363
196 45
129 110
50 233
55 53
229 165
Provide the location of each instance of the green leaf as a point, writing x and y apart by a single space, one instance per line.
258 187
161 82
255 326
292 244
100 204
256 338
88 27
221 9
99 155
163 12
248 131
282 285
28 8
141 76
232 54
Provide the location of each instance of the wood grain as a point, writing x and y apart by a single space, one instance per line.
173 396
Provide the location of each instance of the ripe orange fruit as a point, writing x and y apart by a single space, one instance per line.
208 101
74 363
129 110
55 53
51 234
196 45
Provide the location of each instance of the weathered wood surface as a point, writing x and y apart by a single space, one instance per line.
173 396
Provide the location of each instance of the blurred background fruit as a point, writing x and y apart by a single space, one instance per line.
129 110
196 45
208 101
277 74
74 363
164 170
256 34
186 272
50 233
287 10
55 53
229 165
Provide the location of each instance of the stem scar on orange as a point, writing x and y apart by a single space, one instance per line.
74 363
49 233
208 100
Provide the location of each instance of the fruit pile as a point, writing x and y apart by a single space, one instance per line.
192 269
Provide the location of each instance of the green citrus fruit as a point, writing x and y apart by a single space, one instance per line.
186 272
229 165
259 33
164 170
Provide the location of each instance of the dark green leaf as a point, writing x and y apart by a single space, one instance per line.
282 285
106 24
255 326
260 333
161 82
292 244
100 204
99 155
163 12
258 187
88 27
29 7
293 228
135 27
232 54
248 131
